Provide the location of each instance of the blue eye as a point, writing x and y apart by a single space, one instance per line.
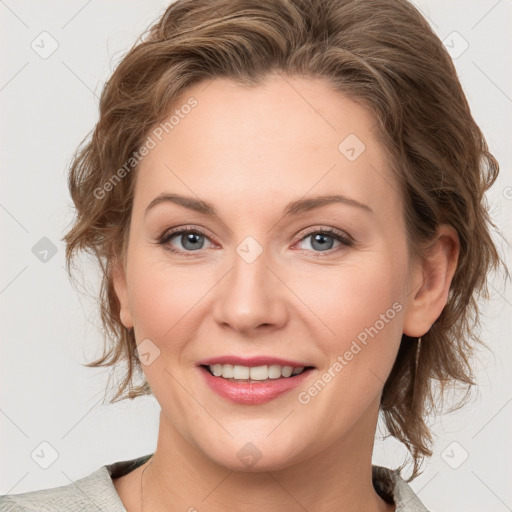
322 240
193 240
190 240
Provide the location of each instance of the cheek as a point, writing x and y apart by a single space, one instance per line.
353 297
361 313
167 299
361 304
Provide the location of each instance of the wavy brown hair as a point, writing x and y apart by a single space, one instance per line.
381 53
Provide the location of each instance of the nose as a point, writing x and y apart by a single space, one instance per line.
251 298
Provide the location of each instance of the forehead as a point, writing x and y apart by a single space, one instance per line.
287 137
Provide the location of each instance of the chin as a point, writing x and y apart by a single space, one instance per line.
258 454
253 464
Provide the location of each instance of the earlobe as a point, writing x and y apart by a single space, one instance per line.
431 283
121 289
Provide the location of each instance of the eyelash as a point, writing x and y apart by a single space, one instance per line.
333 233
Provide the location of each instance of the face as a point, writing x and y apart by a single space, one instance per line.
323 284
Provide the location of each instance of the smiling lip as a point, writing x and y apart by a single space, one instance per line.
251 361
253 392
250 392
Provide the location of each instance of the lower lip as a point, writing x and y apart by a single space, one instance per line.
256 392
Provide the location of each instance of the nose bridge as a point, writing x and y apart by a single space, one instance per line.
251 295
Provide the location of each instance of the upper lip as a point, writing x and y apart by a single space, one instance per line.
251 361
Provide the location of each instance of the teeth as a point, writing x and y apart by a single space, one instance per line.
240 372
258 373
274 371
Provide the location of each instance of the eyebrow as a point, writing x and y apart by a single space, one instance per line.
292 208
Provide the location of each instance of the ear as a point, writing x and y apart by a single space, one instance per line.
430 282
121 289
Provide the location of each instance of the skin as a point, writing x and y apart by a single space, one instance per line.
249 152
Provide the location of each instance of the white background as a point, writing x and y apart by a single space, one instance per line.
48 329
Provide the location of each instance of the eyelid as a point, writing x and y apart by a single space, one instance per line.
186 228
323 229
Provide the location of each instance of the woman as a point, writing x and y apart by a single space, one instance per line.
286 200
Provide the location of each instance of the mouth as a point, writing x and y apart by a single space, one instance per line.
254 380
254 385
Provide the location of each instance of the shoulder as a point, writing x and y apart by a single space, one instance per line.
389 484
91 493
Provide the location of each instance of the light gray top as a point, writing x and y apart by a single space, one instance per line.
96 492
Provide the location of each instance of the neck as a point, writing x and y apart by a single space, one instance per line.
337 478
